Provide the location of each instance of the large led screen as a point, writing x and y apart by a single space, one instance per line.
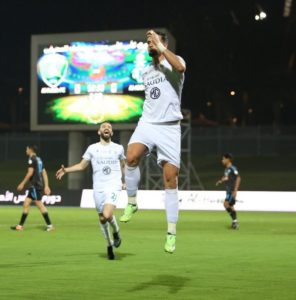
81 80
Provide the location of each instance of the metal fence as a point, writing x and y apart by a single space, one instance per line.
253 141
50 145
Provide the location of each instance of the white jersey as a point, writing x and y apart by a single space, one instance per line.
163 89
105 161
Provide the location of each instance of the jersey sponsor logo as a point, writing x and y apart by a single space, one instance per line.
155 81
106 170
155 93
107 162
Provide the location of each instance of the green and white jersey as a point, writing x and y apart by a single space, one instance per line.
105 161
163 90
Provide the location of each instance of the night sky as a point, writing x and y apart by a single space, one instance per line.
224 47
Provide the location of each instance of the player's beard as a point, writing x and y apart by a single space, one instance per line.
106 137
153 53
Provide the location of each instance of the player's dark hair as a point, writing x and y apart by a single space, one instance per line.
228 156
164 37
33 147
108 122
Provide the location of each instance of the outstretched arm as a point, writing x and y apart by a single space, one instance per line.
75 168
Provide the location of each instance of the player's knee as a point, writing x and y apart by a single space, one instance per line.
228 209
132 160
107 215
170 181
102 218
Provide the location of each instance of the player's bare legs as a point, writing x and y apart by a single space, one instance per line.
232 212
107 218
45 215
26 205
26 209
135 152
41 207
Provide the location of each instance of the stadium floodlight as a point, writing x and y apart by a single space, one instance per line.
287 8
261 15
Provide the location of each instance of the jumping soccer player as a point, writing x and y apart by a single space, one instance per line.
159 127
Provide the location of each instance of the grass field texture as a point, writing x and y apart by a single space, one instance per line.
211 261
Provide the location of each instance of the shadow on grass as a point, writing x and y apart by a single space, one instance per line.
173 283
118 256
30 228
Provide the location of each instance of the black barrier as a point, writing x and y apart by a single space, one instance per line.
58 198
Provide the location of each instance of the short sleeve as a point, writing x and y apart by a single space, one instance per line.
87 154
32 162
121 153
234 171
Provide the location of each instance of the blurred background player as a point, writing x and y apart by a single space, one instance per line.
232 179
38 179
108 161
159 127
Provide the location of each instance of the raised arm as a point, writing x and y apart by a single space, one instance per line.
75 168
171 57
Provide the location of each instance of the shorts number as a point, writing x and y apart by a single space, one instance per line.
113 197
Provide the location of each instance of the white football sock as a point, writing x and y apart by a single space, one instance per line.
172 209
114 224
132 200
106 233
172 228
132 179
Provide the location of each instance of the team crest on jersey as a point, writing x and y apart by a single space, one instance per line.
155 93
30 161
106 170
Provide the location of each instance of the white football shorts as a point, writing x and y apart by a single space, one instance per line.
165 137
103 197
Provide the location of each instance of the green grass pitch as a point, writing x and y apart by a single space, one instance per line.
211 261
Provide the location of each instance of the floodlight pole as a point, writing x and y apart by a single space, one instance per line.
76 144
124 136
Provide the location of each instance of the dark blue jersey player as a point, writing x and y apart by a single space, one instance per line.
232 180
37 178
